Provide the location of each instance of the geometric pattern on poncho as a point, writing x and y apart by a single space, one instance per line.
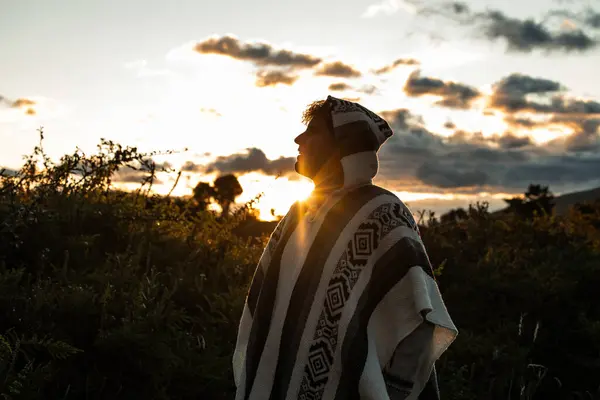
348 268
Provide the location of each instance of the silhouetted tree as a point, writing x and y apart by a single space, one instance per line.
538 199
226 189
202 195
454 215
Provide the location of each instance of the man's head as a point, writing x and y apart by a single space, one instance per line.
317 147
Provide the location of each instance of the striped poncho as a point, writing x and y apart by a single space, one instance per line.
343 303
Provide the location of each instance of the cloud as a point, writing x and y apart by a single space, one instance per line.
190 166
453 95
585 136
417 157
588 17
510 93
526 35
511 96
450 125
401 61
259 53
130 175
592 19
21 103
140 172
510 141
254 160
271 78
402 119
338 69
520 35
524 84
369 89
389 7
339 87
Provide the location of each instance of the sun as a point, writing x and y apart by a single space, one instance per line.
278 194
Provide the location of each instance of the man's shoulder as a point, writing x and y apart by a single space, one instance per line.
391 197
394 206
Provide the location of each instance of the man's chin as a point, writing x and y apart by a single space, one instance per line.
302 170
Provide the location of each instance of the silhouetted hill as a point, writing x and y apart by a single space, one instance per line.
567 200
562 203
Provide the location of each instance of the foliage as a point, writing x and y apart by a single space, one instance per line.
114 295
224 191
537 200
146 290
521 292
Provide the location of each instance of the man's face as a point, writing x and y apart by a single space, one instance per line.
316 146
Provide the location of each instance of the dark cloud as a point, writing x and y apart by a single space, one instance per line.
593 19
524 84
416 157
588 125
450 125
527 35
520 35
554 105
436 174
585 136
272 78
402 119
254 160
258 53
511 95
522 122
338 69
454 95
401 61
510 141
339 87
190 166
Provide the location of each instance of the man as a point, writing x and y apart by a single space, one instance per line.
343 304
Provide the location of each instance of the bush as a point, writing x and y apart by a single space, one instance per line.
142 295
521 292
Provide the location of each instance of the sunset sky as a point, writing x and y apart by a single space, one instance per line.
484 96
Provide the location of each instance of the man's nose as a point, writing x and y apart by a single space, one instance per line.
298 138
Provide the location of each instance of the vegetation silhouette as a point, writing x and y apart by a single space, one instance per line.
537 199
131 295
224 191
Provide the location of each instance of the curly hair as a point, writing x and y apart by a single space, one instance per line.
313 110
